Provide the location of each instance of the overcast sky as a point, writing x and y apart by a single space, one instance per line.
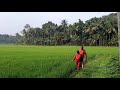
13 22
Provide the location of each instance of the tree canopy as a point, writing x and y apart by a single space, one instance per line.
102 31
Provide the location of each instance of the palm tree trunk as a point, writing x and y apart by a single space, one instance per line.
43 39
49 39
106 40
109 36
96 42
103 41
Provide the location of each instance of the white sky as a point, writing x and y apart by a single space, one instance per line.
13 22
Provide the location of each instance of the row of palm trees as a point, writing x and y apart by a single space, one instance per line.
101 31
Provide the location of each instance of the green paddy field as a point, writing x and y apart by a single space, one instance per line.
17 61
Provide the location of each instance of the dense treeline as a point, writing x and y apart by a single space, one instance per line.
101 31
7 39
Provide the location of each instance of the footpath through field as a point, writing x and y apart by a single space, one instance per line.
100 67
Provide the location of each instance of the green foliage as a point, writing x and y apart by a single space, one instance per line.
35 61
101 31
55 62
103 62
7 39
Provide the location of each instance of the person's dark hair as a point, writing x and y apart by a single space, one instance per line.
82 47
77 52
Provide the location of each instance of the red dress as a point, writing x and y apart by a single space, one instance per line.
77 59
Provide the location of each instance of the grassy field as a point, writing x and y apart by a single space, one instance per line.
55 62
